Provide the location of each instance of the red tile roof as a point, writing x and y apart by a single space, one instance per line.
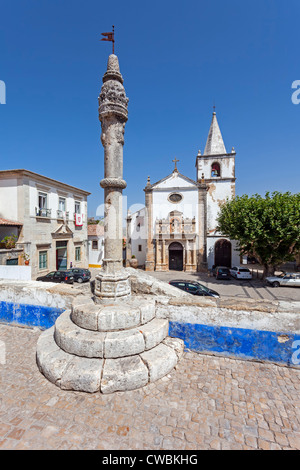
10 222
96 230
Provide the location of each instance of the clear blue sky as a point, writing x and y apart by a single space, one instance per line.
177 59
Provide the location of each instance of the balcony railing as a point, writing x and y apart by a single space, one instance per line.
41 212
62 215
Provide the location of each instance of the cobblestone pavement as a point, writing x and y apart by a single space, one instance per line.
206 403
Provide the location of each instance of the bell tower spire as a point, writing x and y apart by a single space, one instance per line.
214 144
216 167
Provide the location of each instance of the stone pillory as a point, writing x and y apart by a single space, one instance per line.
112 282
110 341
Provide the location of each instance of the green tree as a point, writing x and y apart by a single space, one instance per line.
265 227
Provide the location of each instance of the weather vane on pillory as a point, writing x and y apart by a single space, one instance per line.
110 37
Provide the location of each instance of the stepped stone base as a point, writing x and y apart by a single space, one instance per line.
107 348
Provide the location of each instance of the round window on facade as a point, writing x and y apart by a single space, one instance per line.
175 197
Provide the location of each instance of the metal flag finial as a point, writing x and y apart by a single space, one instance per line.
110 37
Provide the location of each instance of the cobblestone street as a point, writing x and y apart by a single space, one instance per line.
206 403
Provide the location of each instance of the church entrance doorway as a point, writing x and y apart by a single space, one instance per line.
176 256
223 253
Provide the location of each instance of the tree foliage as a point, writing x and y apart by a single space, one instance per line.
266 227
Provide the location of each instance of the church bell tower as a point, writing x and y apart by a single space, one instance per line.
217 168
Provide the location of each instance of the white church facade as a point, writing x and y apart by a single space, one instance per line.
177 229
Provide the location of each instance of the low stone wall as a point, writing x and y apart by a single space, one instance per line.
47 294
244 328
231 312
19 273
261 331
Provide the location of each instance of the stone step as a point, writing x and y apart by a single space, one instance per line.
71 372
111 344
129 372
67 371
110 317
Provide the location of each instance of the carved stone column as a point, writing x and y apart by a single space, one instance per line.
109 341
112 282
190 265
128 239
202 229
157 255
164 264
150 263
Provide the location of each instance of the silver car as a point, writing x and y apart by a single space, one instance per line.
285 279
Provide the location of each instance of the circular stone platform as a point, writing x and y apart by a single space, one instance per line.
107 348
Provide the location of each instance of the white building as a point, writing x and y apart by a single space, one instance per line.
136 242
180 227
95 245
53 217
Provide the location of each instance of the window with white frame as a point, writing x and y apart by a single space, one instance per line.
77 253
43 259
43 210
62 204
61 213
77 207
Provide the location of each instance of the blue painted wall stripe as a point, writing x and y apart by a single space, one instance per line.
29 315
237 342
232 342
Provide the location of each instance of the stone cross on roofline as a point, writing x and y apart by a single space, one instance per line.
175 161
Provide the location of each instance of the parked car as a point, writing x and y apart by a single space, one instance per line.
194 287
57 276
221 272
80 275
239 272
284 279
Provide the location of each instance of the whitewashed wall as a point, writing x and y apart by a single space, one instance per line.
226 162
8 199
95 256
175 183
217 194
235 254
139 236
19 273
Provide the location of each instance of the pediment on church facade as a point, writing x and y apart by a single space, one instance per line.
175 181
175 214
63 231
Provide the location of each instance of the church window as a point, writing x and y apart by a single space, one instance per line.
175 197
215 170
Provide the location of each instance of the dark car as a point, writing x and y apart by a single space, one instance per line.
57 276
221 272
80 275
195 288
